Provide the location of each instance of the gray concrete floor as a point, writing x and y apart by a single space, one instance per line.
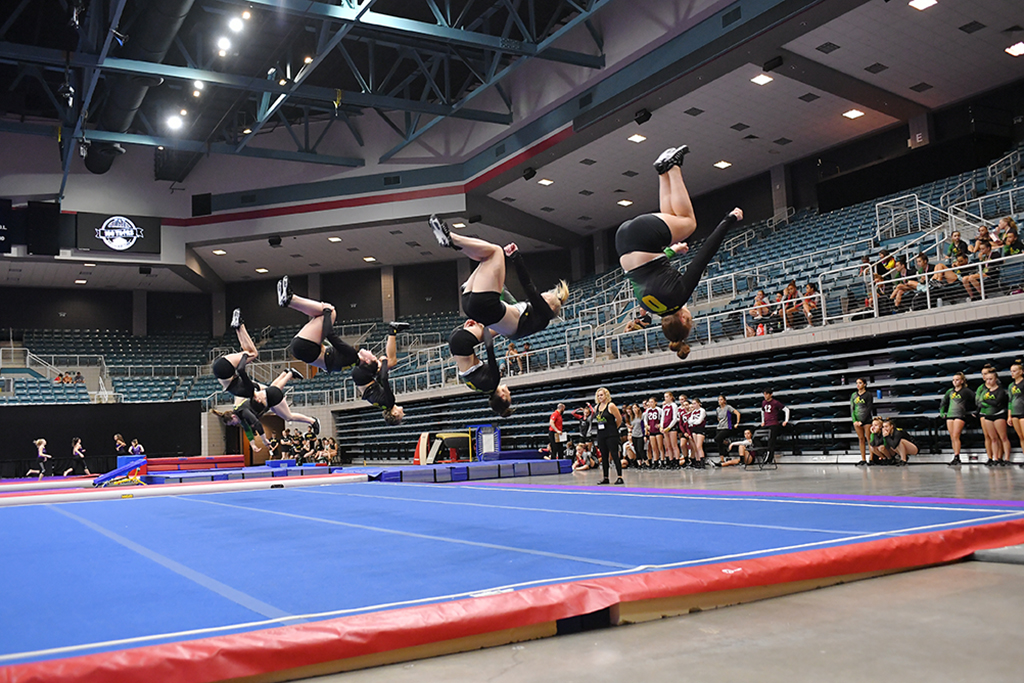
961 622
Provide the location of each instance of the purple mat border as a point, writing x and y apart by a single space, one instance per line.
767 494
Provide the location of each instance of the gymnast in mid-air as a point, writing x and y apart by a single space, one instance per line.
317 344
646 243
266 399
230 369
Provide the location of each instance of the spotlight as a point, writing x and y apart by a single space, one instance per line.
174 122
307 60
145 270
223 53
246 14
283 81
246 131
275 241
235 24
642 117
528 174
196 93
223 43
183 112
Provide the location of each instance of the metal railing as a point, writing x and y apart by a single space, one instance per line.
1003 170
965 191
991 207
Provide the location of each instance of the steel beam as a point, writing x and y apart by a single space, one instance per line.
432 32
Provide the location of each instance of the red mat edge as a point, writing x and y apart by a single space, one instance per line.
279 649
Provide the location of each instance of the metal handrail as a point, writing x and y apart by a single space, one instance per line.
1012 199
1010 163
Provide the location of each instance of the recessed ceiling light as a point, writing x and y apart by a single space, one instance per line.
723 164
369 259
458 225
333 239
219 252
762 79
636 138
853 114
262 270
80 282
624 202
1016 49
246 131
89 265
545 182
922 4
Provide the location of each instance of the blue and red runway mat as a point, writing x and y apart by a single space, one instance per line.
280 583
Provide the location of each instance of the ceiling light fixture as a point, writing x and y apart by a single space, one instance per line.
307 60
262 270
723 164
545 182
160 147
246 131
174 122
853 114
624 202
223 53
223 43
183 112
196 93
460 225
236 24
198 85
922 4
333 239
80 282
529 173
637 138
762 79
89 265
1016 50
283 81
219 252
369 259
246 14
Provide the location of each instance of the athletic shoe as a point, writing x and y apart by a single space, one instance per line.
442 233
990 463
284 292
603 482
955 462
236 319
677 158
619 482
664 161
713 463
295 373
316 427
394 327
862 463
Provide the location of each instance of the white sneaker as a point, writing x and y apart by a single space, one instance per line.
284 292
441 232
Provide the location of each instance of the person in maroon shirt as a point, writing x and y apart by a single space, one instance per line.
555 432
774 416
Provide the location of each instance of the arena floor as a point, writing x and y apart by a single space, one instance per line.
960 622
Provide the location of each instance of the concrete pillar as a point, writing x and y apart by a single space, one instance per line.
139 313
220 303
600 253
387 292
576 262
780 190
314 286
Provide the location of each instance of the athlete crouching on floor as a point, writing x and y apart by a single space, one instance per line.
646 243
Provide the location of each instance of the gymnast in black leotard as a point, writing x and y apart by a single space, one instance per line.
230 369
478 375
316 343
247 414
371 378
484 296
646 243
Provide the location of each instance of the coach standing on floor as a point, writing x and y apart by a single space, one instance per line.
774 416
728 420
556 437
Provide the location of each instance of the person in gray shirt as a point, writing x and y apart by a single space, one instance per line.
728 420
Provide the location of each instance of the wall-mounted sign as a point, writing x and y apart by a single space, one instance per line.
118 233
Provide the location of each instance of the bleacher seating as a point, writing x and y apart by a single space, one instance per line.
32 390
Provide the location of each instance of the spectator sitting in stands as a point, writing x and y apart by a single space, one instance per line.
810 304
983 236
1011 244
744 451
524 361
790 302
918 287
956 248
59 379
865 266
885 263
513 363
640 322
79 379
775 323
758 315
987 272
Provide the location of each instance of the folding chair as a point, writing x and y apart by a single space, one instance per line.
763 459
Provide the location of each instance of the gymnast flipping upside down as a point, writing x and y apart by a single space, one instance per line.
317 344
646 243
230 369
247 414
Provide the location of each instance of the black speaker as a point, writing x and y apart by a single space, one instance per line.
202 204
5 226
145 270
42 224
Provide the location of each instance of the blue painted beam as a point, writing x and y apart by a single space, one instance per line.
15 53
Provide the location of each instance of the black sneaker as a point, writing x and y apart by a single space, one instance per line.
316 427
295 373
619 482
284 292
862 463
955 462
990 463
603 482
236 319
395 327
664 161
677 158
442 233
